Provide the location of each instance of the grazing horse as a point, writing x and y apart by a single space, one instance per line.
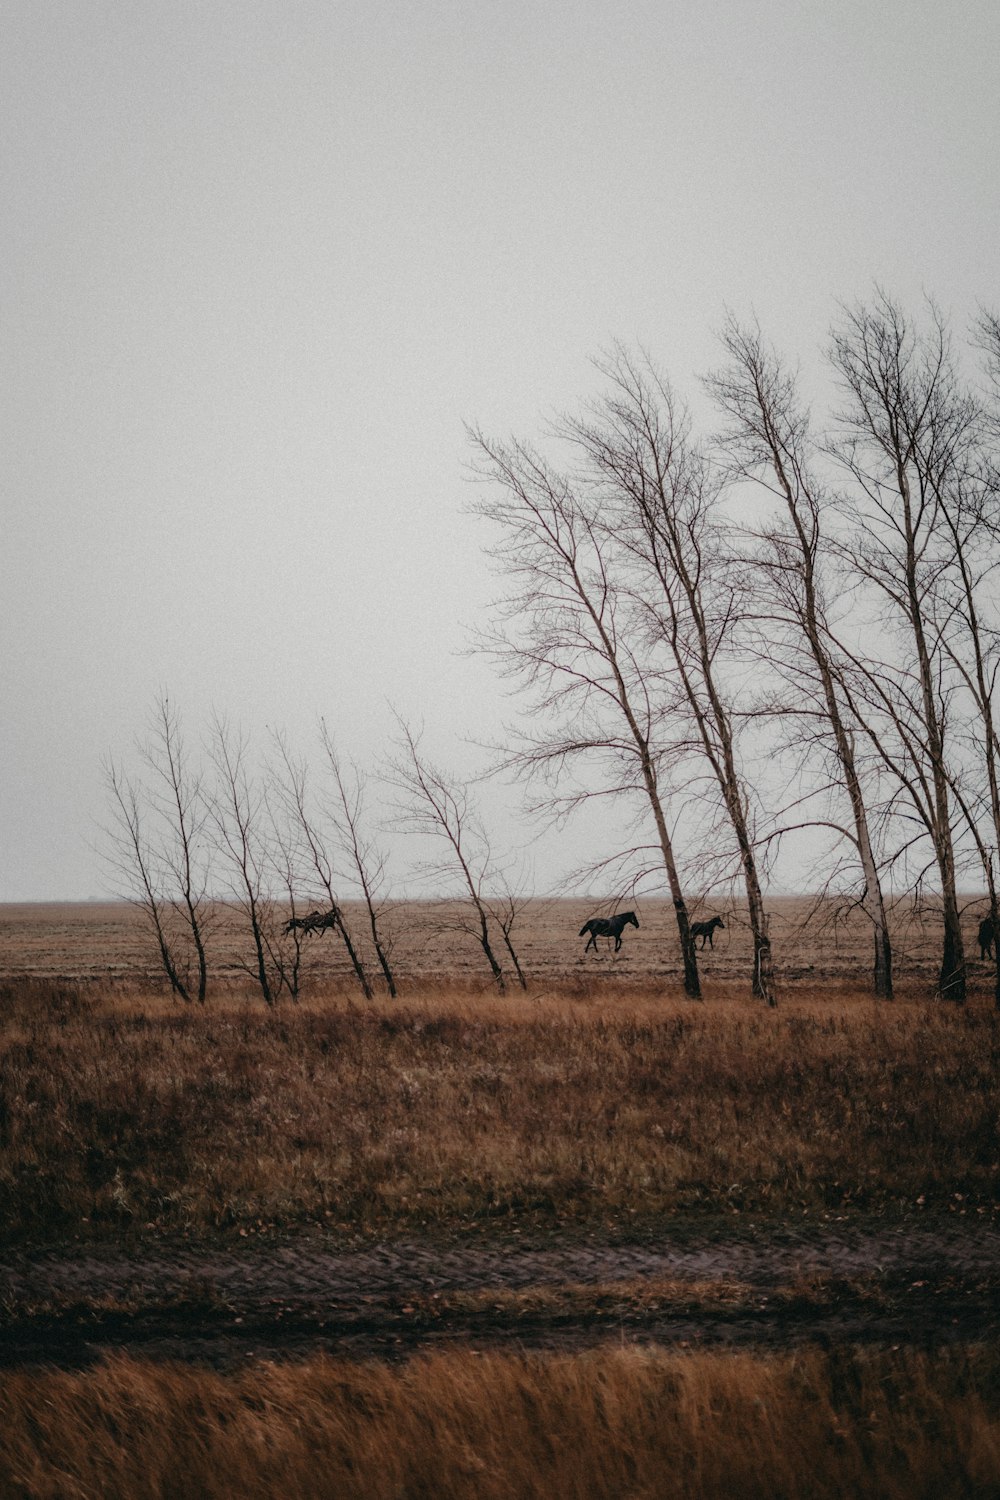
609 927
705 930
987 937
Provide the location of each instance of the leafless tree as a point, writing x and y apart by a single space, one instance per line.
133 860
159 850
660 496
283 853
905 436
437 803
241 819
565 635
768 440
971 635
506 906
368 862
292 782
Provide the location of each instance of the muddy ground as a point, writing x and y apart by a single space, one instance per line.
765 1284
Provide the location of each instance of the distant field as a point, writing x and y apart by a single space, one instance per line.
822 946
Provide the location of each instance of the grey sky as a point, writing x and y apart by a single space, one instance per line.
261 261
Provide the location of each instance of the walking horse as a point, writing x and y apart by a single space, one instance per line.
609 927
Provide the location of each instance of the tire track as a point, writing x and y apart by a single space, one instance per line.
222 1304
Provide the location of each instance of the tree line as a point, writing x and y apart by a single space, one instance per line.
684 611
780 624
194 839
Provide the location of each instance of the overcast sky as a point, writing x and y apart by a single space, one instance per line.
261 261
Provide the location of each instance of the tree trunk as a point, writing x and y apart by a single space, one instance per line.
382 956
952 981
873 904
883 965
762 980
352 953
762 983
692 980
495 968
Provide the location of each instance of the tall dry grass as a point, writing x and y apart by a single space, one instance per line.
127 1116
616 1424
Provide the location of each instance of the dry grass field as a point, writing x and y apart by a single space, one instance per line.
550 1130
125 1116
611 1425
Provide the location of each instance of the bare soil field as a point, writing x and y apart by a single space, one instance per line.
822 944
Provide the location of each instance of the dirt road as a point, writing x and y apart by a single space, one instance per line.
759 1284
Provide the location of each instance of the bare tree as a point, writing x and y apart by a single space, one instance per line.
660 496
769 441
506 907
293 790
905 436
564 635
159 850
369 864
284 859
240 817
133 860
439 804
972 636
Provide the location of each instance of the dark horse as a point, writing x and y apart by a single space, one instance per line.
609 927
707 930
987 937
316 921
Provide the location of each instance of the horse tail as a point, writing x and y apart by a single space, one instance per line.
583 929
